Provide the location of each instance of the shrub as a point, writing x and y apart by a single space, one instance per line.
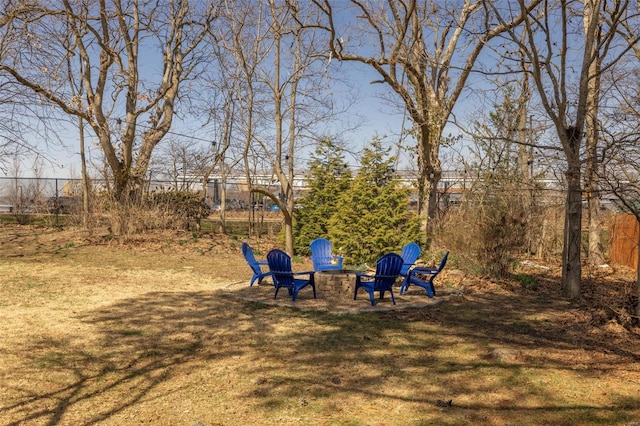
179 207
372 216
329 177
160 210
527 281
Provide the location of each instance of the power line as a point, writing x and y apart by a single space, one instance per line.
119 122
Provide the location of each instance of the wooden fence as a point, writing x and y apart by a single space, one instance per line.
624 241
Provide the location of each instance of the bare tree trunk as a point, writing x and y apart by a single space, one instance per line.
524 157
572 268
86 188
429 174
596 251
595 254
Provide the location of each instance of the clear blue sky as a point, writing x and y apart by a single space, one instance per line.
380 119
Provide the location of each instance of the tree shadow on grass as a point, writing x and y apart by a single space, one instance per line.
282 358
139 342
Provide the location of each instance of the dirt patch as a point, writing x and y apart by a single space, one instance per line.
331 301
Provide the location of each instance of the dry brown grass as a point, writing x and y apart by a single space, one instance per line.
103 332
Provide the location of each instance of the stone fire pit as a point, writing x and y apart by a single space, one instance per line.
338 282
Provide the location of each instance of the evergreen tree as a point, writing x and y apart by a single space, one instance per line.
329 177
373 216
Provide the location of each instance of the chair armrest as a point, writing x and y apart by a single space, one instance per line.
423 270
387 276
364 275
335 261
304 273
264 274
406 267
262 262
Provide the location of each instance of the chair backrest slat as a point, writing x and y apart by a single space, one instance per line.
247 252
387 271
443 262
409 254
280 267
322 255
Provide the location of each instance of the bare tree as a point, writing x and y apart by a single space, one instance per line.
26 195
620 175
425 52
76 92
220 149
591 186
290 68
180 162
245 45
229 95
118 89
283 91
562 79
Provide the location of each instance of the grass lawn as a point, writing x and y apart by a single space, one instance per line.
98 331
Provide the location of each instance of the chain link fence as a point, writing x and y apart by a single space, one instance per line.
21 195
35 195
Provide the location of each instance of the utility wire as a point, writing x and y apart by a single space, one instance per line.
119 122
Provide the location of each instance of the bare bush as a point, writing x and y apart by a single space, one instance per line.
488 231
162 210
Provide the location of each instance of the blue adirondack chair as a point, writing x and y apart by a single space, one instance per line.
423 277
322 257
409 255
254 264
387 272
283 276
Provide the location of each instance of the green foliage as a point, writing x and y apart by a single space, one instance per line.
329 176
527 281
364 217
372 216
